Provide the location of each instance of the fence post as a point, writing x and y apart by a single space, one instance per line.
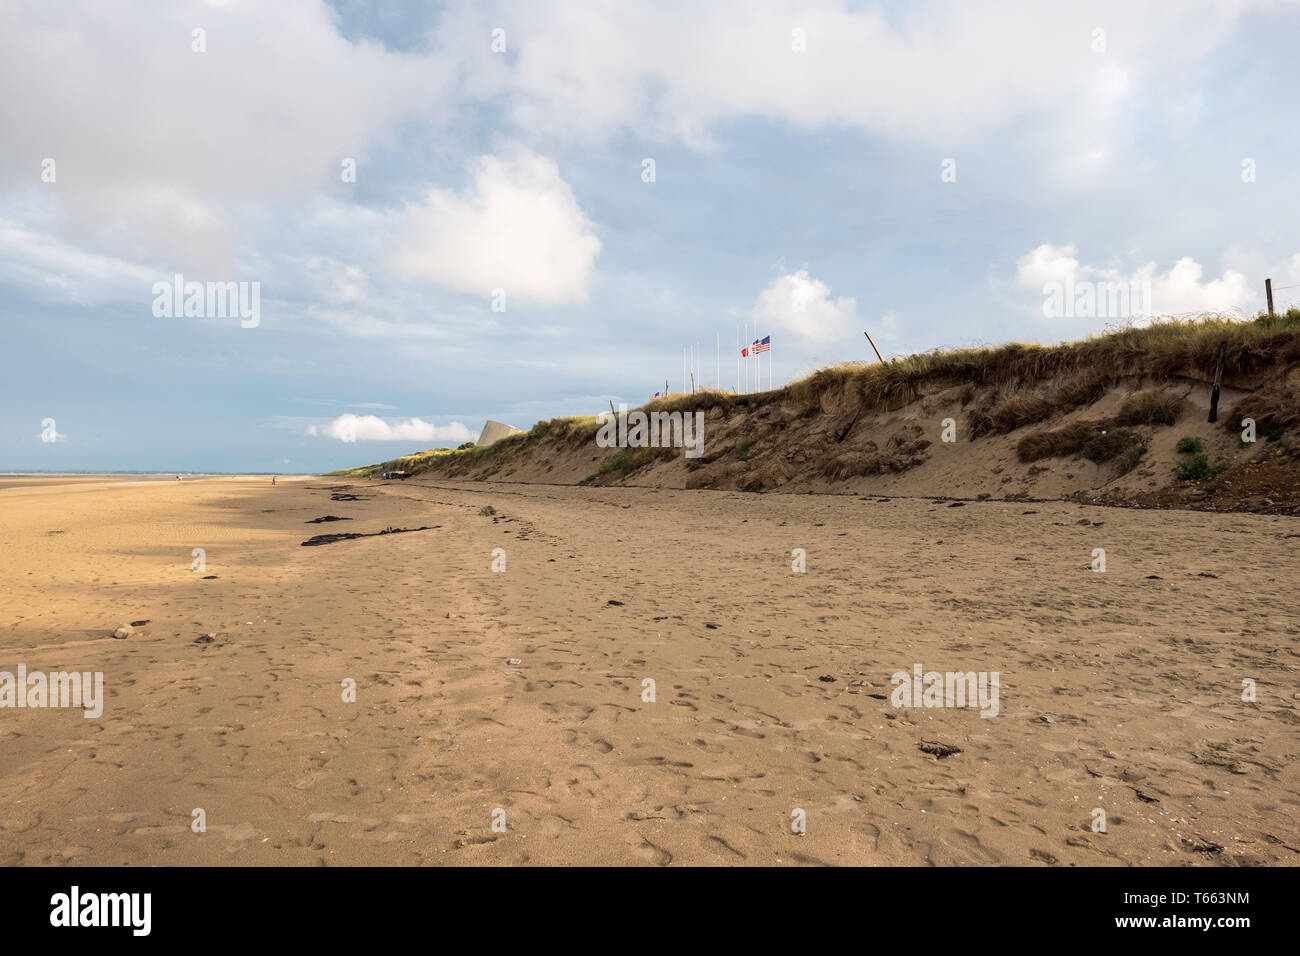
1268 292
1218 380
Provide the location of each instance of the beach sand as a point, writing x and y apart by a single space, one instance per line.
1119 691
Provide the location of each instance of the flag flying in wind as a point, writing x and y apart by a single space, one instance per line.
763 345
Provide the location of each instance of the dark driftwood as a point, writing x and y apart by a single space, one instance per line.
1218 381
348 536
938 748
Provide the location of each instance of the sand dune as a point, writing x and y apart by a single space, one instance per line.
1119 690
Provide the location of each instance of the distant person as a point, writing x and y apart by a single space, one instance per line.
273 479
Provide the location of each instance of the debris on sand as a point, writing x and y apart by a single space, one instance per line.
347 536
344 496
140 623
123 632
205 639
938 749
323 518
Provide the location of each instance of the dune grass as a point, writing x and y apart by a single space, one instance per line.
1074 374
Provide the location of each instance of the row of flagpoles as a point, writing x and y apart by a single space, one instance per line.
692 380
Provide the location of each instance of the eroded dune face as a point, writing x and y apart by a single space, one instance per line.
635 675
1094 440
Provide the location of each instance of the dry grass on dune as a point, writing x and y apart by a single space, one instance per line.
1022 384
1156 406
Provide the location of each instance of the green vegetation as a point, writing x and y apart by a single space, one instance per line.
411 463
1197 467
619 462
466 445
742 449
1189 446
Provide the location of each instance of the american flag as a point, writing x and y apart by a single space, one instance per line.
762 345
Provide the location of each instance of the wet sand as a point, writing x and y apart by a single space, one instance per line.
1119 691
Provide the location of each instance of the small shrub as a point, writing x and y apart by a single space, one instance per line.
1189 446
487 511
1106 444
1129 460
742 450
1057 443
617 462
1196 468
466 445
1154 407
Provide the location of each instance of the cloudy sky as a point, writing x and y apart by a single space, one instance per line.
462 211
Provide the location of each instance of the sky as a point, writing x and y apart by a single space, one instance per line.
439 214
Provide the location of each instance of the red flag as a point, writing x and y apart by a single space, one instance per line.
745 352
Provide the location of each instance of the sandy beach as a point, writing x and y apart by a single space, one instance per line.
524 690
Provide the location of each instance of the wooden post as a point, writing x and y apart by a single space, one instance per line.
1218 381
1268 293
873 347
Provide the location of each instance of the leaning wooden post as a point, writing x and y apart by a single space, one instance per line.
873 347
1218 381
1268 293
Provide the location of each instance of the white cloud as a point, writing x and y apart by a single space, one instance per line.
54 271
803 305
1181 290
153 142
1051 269
517 228
351 428
934 72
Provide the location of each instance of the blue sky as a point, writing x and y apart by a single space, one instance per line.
799 156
